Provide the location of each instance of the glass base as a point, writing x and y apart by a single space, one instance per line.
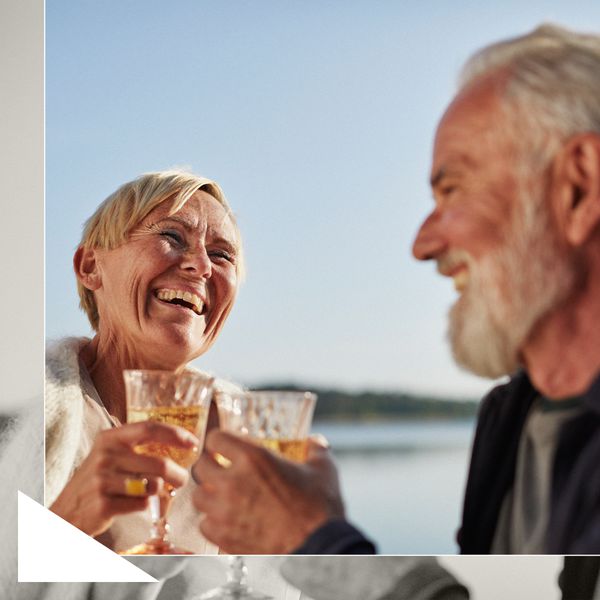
234 591
155 547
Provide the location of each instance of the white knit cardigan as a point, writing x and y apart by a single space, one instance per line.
64 405
64 411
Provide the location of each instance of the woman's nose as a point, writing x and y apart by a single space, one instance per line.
196 260
430 241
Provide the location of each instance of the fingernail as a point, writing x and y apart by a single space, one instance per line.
320 439
223 461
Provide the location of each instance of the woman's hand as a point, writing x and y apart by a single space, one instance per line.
97 491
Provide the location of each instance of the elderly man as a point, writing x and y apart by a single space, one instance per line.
516 224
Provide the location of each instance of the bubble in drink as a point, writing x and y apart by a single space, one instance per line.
191 418
295 450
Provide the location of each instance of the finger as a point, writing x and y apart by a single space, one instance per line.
150 431
207 501
233 447
232 539
208 531
319 439
213 417
317 448
213 530
120 505
115 484
147 466
207 469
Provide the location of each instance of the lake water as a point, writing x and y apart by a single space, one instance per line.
403 482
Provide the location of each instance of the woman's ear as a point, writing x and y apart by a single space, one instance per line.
86 268
580 190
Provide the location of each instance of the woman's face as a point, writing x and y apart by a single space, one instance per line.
164 295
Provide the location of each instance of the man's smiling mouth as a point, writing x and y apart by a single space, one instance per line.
461 279
181 298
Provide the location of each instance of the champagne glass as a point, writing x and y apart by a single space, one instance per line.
278 420
181 399
236 587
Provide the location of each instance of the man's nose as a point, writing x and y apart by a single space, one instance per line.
430 241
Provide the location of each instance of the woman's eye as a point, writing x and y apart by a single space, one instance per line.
222 255
173 237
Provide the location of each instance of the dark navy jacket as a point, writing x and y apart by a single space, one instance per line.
574 526
579 577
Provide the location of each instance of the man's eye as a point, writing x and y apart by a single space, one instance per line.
447 190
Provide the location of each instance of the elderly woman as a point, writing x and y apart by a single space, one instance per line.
158 269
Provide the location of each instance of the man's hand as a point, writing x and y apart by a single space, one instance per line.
262 503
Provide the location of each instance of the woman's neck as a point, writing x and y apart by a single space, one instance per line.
105 365
106 360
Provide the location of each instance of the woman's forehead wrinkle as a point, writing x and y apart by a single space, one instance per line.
223 227
186 223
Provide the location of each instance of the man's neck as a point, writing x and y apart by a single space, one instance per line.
562 355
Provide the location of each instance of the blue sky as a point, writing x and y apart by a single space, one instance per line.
317 119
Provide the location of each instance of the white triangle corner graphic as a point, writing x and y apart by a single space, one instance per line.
51 549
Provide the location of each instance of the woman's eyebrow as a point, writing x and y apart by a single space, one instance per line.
186 223
189 225
224 242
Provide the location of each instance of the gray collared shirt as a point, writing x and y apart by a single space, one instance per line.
525 511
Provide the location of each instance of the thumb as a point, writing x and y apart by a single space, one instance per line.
317 447
319 439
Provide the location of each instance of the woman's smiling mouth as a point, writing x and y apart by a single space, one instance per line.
181 298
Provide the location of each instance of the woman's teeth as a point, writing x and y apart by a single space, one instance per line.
181 297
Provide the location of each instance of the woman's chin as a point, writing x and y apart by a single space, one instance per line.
172 349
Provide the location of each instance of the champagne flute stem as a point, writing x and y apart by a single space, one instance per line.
237 571
159 508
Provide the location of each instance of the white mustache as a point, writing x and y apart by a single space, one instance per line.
452 259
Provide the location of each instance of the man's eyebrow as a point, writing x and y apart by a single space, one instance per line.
436 177
455 165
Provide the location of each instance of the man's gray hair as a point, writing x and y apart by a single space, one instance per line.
553 84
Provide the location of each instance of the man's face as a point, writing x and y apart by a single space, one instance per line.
491 231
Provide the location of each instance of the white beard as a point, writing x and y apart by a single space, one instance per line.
508 292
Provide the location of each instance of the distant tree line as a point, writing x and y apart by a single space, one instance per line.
336 404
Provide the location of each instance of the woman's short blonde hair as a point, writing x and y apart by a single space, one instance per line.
122 211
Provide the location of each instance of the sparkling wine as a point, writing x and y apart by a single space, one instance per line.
180 399
191 418
291 449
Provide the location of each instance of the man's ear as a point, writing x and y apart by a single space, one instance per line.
579 192
86 268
